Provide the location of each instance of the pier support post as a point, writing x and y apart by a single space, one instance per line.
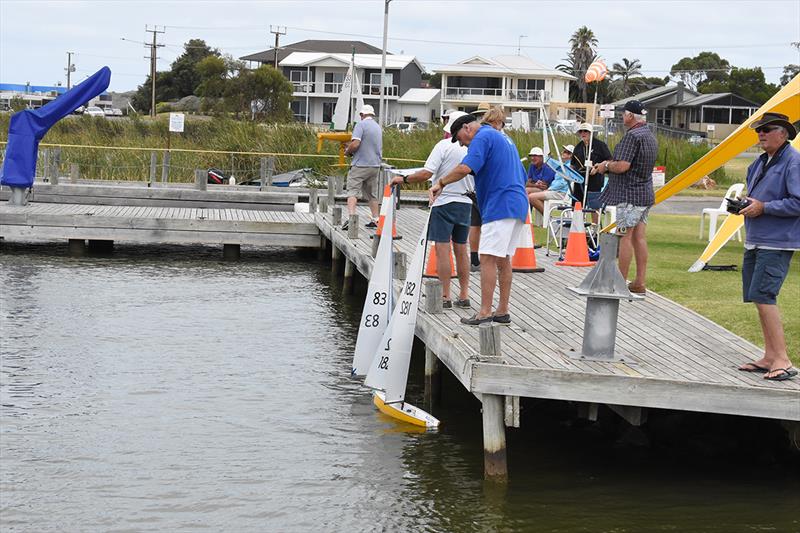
267 170
323 205
331 191
376 241
101 246
336 259
231 252
433 296
312 200
200 179
340 184
322 249
165 167
352 229
433 379
19 196
336 215
349 271
495 464
77 247
74 172
153 165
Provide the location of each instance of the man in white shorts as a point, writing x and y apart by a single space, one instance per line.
500 187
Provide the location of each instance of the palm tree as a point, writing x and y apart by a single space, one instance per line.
582 53
628 69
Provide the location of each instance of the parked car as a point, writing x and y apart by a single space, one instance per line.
94 111
107 111
79 111
117 112
408 127
695 139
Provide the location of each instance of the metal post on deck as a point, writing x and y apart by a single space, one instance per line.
603 288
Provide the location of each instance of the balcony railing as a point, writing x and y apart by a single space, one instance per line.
303 86
521 95
332 88
375 89
528 95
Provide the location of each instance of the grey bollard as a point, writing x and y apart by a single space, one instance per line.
19 196
200 179
331 191
74 172
336 215
153 166
489 341
55 163
352 228
312 200
400 270
433 296
603 288
165 167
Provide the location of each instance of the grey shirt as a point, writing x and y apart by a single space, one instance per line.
369 151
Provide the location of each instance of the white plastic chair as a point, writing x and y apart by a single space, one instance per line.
714 212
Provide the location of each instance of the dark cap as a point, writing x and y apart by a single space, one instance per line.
458 124
776 119
635 107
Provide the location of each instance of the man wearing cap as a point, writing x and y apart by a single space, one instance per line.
630 188
772 226
500 188
450 214
600 152
543 182
362 180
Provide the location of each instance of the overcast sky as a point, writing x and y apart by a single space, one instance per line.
35 36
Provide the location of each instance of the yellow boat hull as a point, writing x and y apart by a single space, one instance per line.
404 412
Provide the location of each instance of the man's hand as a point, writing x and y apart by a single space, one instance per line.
434 193
755 209
396 180
599 167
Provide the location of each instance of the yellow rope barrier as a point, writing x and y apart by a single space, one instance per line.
191 150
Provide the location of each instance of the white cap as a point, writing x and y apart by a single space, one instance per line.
451 117
449 112
536 151
367 110
584 126
569 148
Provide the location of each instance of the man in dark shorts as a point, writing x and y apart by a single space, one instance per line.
772 226
630 188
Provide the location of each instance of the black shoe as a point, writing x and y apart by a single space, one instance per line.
475 268
502 319
475 321
447 304
345 225
371 225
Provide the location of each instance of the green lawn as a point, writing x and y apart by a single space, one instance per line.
674 247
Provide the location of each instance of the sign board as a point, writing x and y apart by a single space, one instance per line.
176 122
711 127
659 176
607 111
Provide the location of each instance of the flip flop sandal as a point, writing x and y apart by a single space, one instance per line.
785 373
754 368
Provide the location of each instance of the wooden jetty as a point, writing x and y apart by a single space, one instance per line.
673 357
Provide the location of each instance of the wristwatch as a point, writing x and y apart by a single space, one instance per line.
607 164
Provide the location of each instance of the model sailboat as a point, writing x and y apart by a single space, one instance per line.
378 303
388 371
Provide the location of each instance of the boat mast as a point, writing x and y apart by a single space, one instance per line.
350 111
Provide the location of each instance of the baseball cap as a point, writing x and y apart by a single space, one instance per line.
569 148
458 123
635 107
367 110
585 126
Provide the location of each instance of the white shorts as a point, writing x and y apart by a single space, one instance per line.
500 237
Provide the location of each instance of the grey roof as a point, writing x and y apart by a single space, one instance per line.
705 99
657 93
313 45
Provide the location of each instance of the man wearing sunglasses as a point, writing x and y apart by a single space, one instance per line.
772 225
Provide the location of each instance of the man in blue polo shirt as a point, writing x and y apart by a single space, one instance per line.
500 187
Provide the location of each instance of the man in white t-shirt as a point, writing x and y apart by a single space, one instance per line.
450 214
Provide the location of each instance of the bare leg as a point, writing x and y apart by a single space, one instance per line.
505 273
775 354
640 253
488 282
626 252
474 238
462 266
443 267
536 199
352 201
373 206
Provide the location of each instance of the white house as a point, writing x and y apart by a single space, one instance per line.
420 105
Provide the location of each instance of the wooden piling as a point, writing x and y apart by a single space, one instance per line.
433 296
400 268
349 271
336 215
231 252
165 167
433 379
200 179
331 191
312 200
153 165
352 229
55 163
495 463
77 247
74 172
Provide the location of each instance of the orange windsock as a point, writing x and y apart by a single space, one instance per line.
524 259
596 72
577 249
430 268
387 192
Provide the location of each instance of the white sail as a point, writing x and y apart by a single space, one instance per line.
358 96
389 369
378 303
342 110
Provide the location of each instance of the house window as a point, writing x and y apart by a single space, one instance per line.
530 85
299 109
298 76
716 115
375 79
327 111
738 116
333 83
664 116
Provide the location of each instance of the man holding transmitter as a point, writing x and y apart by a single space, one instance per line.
500 188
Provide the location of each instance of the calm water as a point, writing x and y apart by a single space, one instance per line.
165 390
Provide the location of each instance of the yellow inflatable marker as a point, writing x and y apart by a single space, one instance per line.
786 101
725 232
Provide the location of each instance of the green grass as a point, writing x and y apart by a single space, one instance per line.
674 247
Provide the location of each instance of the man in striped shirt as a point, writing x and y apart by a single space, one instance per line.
630 188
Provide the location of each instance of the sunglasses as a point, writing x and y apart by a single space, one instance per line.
766 129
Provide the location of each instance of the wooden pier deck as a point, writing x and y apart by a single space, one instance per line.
674 358
158 225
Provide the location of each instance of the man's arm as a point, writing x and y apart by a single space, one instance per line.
457 174
784 207
417 177
352 147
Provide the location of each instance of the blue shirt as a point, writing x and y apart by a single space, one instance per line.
544 173
499 176
369 151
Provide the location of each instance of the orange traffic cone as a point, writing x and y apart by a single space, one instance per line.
430 268
524 259
577 249
387 192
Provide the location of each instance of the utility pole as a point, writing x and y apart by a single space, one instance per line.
519 44
155 31
70 68
381 118
277 31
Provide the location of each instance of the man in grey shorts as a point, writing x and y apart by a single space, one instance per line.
630 188
362 180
